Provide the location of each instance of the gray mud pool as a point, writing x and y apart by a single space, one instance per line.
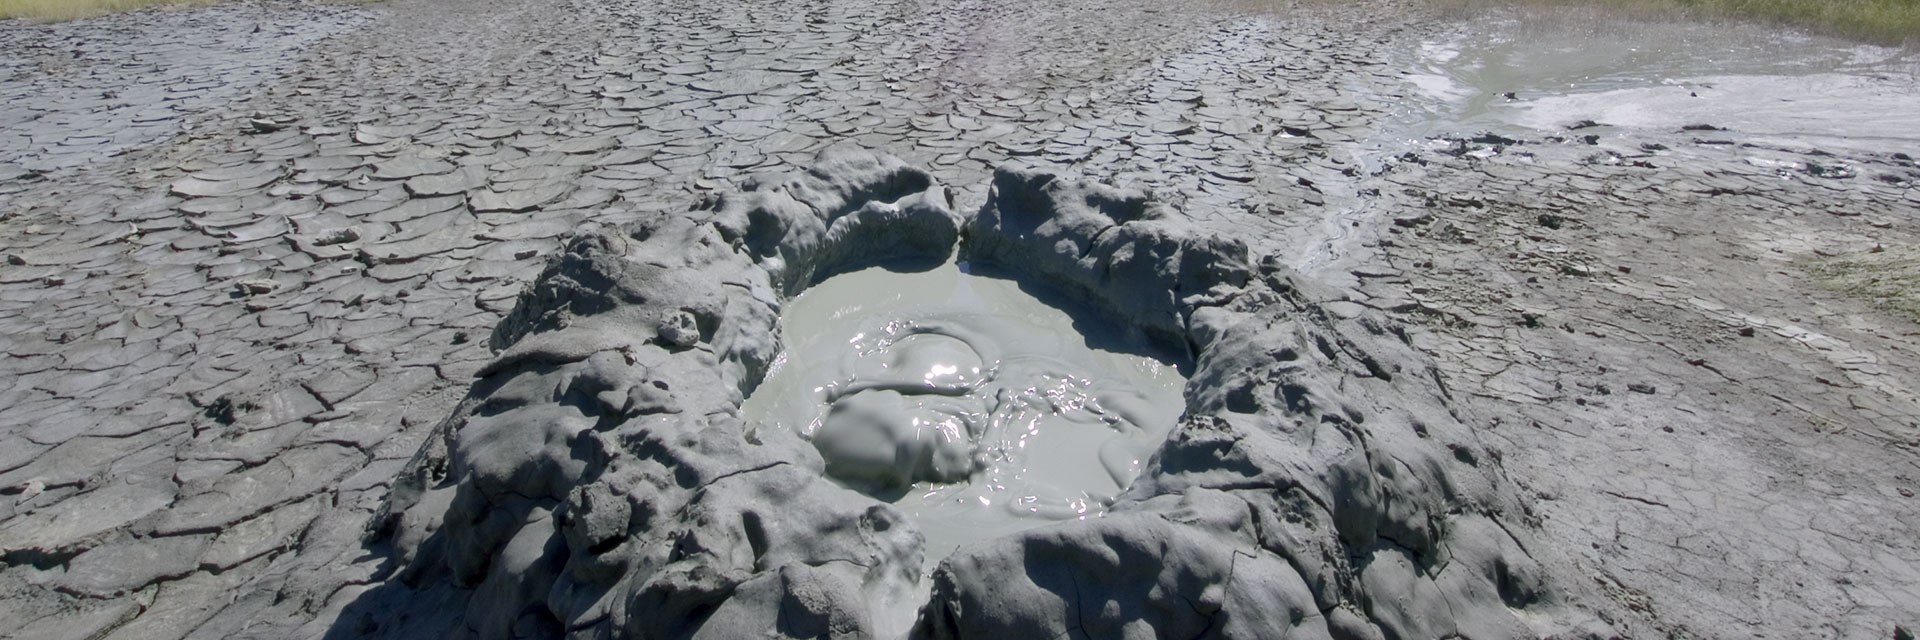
972 406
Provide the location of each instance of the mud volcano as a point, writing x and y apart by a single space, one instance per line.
602 480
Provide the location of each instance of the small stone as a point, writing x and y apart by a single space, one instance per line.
1412 221
254 287
1641 388
336 236
32 488
679 331
262 125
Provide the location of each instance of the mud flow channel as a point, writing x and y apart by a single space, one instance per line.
968 403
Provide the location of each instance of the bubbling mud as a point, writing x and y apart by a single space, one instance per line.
974 407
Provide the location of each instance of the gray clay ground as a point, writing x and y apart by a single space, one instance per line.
256 254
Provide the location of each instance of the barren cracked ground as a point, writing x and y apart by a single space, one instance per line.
955 319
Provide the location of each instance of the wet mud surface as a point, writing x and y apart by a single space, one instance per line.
242 291
968 403
1530 73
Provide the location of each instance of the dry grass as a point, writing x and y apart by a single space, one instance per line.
1890 279
1891 22
57 10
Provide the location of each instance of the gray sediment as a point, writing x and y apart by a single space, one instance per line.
231 318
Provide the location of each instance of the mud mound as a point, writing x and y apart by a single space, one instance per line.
598 480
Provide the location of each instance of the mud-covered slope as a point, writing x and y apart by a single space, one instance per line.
598 475
1319 485
598 480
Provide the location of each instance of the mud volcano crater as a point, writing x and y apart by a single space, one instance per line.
966 401
602 480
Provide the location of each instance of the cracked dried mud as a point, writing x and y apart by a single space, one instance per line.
429 318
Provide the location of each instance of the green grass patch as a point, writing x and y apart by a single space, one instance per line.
1890 278
57 10
1890 22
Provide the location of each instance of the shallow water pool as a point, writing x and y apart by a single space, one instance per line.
1553 73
